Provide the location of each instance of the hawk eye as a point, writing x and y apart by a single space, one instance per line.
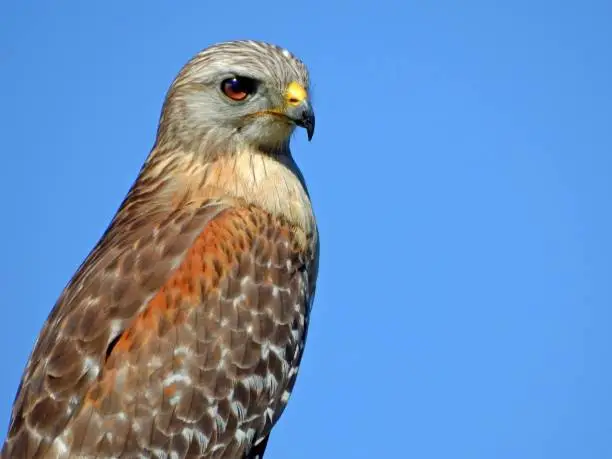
238 88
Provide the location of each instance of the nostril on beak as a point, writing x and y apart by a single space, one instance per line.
295 94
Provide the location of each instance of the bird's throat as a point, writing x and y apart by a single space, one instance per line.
272 182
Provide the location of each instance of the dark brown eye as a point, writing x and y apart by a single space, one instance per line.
238 88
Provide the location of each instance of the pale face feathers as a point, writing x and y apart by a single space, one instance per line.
199 115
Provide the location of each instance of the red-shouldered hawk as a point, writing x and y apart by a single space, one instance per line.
181 334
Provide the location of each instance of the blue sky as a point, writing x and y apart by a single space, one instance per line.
460 172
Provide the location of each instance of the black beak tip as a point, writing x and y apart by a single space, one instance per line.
306 119
309 124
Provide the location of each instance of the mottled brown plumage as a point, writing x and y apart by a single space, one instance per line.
182 332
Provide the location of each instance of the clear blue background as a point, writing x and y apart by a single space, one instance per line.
461 174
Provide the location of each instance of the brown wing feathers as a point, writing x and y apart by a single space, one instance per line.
205 362
117 279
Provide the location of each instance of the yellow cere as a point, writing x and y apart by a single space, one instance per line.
295 94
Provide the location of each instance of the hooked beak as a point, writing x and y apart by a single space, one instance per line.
299 109
304 117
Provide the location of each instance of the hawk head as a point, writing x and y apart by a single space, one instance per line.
238 94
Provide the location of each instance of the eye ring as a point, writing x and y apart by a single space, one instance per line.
238 88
